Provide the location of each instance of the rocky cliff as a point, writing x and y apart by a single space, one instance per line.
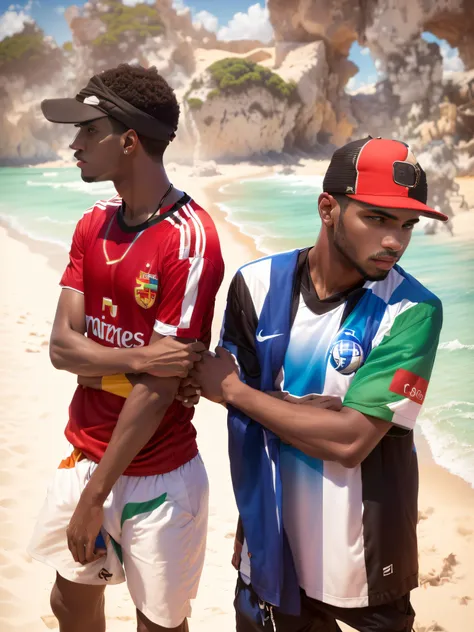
103 34
309 57
412 100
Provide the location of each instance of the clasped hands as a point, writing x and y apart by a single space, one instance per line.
213 375
202 373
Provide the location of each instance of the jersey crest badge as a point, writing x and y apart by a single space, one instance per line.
347 354
146 289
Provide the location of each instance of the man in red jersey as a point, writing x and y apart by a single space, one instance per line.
131 500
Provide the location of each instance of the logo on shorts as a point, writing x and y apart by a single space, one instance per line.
104 574
146 289
347 354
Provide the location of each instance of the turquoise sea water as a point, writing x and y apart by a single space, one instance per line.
280 213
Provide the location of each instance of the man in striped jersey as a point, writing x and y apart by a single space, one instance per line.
131 499
358 327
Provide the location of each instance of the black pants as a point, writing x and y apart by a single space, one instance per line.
316 616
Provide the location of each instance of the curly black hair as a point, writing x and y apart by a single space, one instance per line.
148 91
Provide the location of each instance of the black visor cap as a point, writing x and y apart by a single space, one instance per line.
70 111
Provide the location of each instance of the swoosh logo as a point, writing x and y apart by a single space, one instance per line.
261 338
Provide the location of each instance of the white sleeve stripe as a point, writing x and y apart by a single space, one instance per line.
182 241
164 329
115 201
68 287
178 224
184 252
191 292
203 232
197 233
187 239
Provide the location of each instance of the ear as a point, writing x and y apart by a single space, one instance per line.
129 141
327 205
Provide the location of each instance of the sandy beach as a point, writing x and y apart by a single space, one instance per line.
33 414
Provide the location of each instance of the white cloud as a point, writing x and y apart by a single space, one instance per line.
207 20
359 85
351 84
59 10
179 5
255 24
14 19
451 60
365 51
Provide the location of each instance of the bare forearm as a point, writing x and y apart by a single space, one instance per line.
321 433
73 352
322 450
140 418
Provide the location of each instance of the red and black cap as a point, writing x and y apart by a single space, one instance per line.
96 101
382 173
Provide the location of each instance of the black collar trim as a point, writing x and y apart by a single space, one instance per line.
184 199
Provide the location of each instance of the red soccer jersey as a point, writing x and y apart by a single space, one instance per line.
163 276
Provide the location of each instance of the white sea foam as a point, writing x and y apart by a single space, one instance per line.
249 229
455 345
455 456
294 180
19 228
97 188
447 429
51 185
60 222
50 174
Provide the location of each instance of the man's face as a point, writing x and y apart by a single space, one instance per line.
373 239
98 151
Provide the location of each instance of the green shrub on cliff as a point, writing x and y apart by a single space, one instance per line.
234 75
127 24
194 104
27 54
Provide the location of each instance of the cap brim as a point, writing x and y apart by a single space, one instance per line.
69 111
395 201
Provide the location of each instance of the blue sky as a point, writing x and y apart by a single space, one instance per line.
230 19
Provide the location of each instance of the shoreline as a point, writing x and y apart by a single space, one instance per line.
208 187
31 432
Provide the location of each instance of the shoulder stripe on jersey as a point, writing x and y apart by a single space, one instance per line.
201 228
114 201
185 230
188 225
188 221
180 224
191 292
197 232
189 300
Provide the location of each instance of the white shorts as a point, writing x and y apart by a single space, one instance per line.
155 529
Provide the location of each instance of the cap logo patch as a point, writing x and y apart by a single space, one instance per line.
92 100
406 174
